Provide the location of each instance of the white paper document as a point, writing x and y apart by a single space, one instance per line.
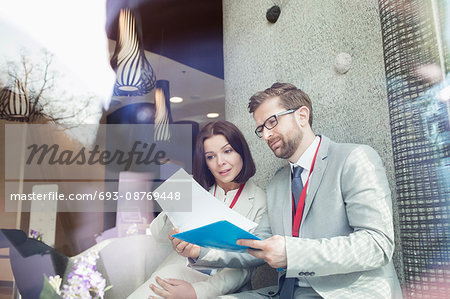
206 209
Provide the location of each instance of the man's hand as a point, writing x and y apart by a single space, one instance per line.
184 248
272 250
173 289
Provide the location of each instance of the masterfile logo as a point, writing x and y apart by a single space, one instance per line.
49 152
120 168
140 153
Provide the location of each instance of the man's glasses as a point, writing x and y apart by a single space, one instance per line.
272 122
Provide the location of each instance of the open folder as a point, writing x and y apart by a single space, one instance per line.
209 223
221 235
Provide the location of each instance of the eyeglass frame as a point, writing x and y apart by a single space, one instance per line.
261 127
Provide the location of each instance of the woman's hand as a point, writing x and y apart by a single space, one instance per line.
173 289
184 248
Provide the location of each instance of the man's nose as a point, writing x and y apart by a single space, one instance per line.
266 133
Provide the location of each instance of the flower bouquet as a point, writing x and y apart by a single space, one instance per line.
84 281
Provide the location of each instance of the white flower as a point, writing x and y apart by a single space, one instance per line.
55 282
84 280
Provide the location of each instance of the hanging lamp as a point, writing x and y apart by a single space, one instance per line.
15 103
134 74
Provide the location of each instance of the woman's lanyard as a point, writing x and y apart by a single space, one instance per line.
235 197
301 202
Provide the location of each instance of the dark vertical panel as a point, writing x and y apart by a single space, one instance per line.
411 52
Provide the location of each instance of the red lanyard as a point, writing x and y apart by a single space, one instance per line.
235 197
301 202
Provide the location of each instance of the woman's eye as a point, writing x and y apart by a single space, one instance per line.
209 157
227 151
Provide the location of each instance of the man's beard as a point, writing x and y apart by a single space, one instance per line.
288 148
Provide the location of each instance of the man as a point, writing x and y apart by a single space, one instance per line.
329 224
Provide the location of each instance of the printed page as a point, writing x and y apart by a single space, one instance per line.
205 208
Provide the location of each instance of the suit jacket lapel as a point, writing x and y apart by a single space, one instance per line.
286 198
245 202
317 174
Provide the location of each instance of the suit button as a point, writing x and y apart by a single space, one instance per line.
301 274
313 273
271 293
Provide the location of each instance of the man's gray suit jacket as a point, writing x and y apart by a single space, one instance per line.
346 237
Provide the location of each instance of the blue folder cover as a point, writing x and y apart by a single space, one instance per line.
220 235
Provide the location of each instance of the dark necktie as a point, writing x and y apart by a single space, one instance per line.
287 289
297 185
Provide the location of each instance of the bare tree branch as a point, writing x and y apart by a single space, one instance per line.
38 81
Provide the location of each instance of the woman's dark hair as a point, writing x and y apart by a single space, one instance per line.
200 170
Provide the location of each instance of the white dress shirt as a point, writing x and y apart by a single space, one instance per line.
305 160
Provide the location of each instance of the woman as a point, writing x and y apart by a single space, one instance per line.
223 165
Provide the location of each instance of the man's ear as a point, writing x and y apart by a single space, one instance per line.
302 115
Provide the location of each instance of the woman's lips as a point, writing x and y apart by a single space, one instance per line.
224 172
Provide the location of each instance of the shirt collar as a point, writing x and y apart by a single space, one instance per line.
220 193
305 160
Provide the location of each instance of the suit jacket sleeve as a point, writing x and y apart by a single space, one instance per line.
160 228
365 192
225 281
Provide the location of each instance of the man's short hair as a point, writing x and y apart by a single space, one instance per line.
290 96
